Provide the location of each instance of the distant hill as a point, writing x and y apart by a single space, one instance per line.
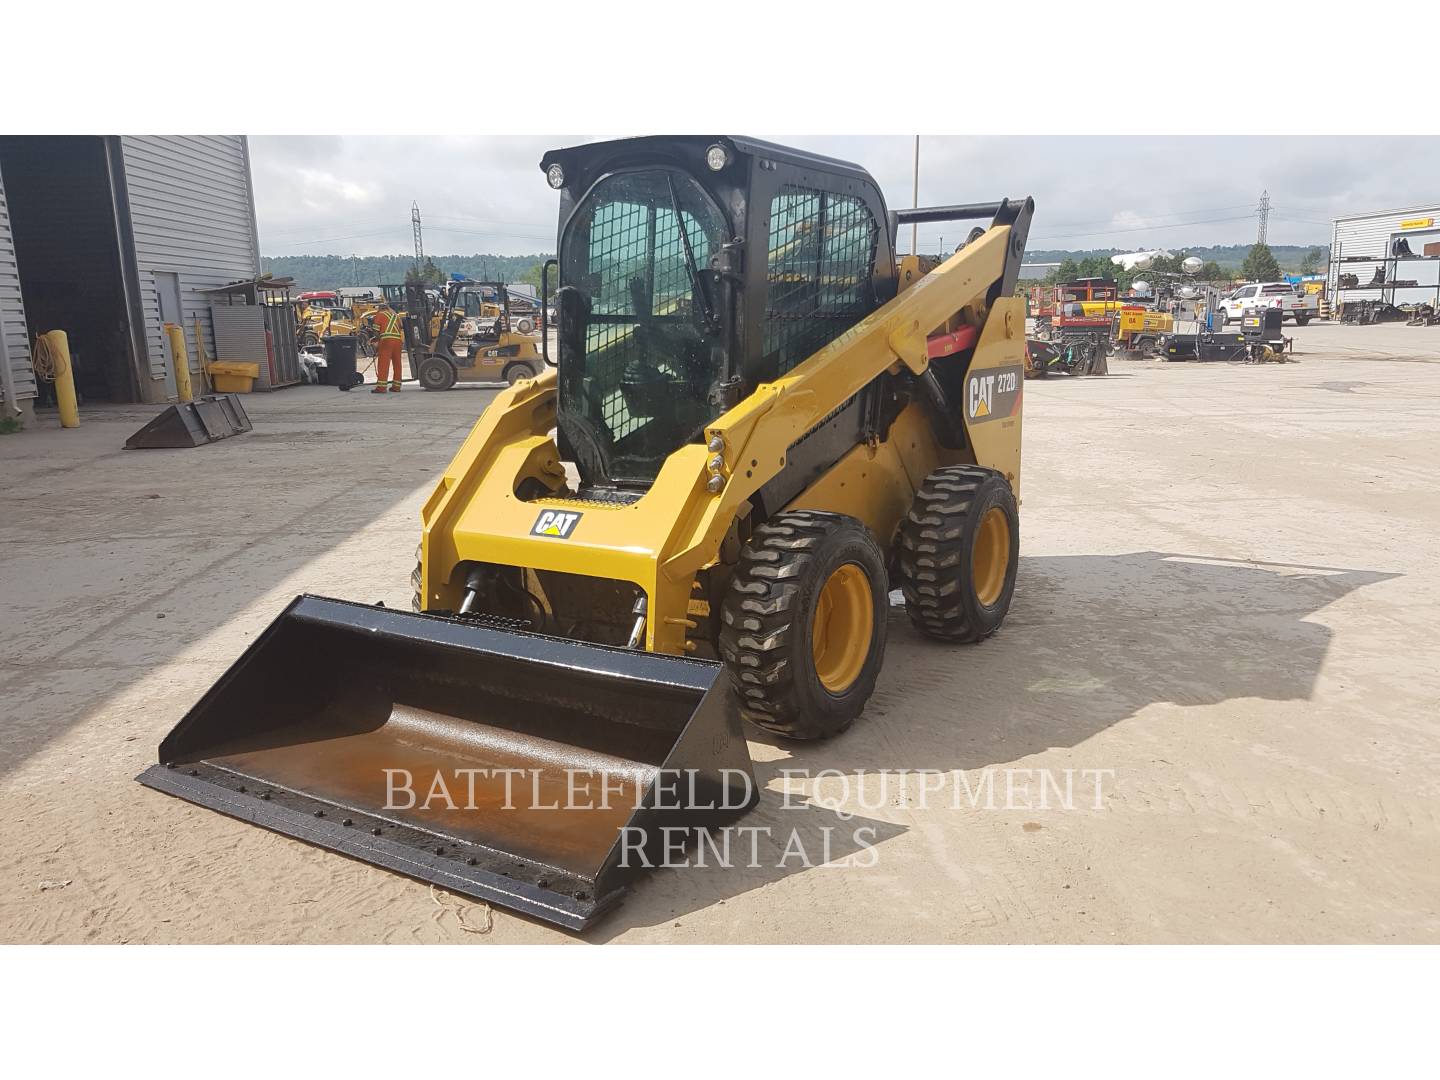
314 272
1229 256
319 272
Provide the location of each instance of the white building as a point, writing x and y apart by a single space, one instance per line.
1362 243
1037 271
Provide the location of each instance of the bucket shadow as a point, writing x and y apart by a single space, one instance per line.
773 841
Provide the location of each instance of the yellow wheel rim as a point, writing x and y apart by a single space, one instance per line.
990 558
843 627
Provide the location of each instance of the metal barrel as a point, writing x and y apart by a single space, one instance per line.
536 773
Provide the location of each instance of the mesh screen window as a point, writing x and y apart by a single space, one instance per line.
821 256
643 383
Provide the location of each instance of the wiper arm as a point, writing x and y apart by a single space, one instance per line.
711 323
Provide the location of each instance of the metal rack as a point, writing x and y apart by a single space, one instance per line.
1390 262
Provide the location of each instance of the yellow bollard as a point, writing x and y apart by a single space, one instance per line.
58 345
182 361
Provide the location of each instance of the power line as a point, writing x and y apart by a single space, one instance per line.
1301 220
1142 228
349 236
492 233
312 229
490 221
1157 218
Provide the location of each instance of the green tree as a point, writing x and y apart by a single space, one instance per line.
332 271
1310 263
1260 264
429 274
531 277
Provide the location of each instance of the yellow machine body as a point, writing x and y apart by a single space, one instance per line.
1138 329
489 360
678 526
569 615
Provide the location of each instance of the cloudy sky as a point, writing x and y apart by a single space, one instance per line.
348 195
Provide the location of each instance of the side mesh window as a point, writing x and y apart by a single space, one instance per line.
818 268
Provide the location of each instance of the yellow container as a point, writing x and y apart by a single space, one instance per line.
229 377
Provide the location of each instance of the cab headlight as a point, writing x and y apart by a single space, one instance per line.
717 157
555 176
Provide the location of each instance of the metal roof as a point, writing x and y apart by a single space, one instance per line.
1429 208
740 143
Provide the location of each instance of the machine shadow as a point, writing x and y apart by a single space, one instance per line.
1090 642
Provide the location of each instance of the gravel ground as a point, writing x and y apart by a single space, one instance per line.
1224 630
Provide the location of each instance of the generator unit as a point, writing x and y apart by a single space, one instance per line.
1263 331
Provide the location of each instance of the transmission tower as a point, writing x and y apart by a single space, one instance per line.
1262 211
419 241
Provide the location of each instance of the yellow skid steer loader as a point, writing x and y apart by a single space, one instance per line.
759 422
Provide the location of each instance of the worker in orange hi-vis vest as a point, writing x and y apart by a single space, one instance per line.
387 353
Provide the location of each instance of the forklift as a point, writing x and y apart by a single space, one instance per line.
498 350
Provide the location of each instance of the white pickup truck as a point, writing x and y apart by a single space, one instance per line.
1279 294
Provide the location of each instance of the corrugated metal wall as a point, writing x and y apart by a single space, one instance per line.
12 308
1370 235
192 214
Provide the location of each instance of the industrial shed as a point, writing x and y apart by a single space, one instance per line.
108 237
1362 243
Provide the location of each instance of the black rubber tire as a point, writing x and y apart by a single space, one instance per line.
1302 320
937 541
435 373
767 622
515 372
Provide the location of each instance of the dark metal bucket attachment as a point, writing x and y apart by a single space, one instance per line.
524 770
193 423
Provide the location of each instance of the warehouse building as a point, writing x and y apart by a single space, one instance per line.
109 237
1361 244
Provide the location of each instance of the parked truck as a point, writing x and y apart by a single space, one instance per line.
1263 294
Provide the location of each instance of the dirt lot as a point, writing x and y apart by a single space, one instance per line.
1227 606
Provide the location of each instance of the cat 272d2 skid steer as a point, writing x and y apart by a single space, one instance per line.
760 421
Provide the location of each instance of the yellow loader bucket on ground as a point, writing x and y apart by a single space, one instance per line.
536 773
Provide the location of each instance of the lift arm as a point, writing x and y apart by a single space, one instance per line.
755 436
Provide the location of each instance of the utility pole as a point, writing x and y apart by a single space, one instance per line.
915 201
419 240
1263 210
